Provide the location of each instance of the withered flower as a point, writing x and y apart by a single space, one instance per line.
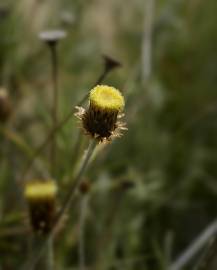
102 118
85 187
41 199
111 63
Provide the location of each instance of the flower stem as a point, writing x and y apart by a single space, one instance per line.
81 243
78 178
53 50
46 260
49 254
39 251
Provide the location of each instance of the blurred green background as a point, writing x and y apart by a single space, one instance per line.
154 190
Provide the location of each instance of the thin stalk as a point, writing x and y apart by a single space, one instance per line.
195 247
81 243
49 254
207 261
46 261
78 178
147 40
54 62
29 265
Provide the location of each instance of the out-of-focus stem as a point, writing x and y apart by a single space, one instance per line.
49 254
208 259
195 247
53 50
81 243
78 177
46 261
39 251
147 40
107 234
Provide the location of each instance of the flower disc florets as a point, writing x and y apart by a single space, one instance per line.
106 98
37 190
100 119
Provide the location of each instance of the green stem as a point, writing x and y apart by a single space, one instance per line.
49 254
207 261
53 49
81 242
46 260
77 179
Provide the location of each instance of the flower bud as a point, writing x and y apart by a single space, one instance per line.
41 199
100 120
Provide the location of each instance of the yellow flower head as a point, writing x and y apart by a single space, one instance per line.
41 199
38 190
107 98
100 120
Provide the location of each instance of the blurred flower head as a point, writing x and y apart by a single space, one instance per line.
41 199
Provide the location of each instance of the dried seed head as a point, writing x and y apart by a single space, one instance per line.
85 187
41 199
110 63
52 36
5 105
100 119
